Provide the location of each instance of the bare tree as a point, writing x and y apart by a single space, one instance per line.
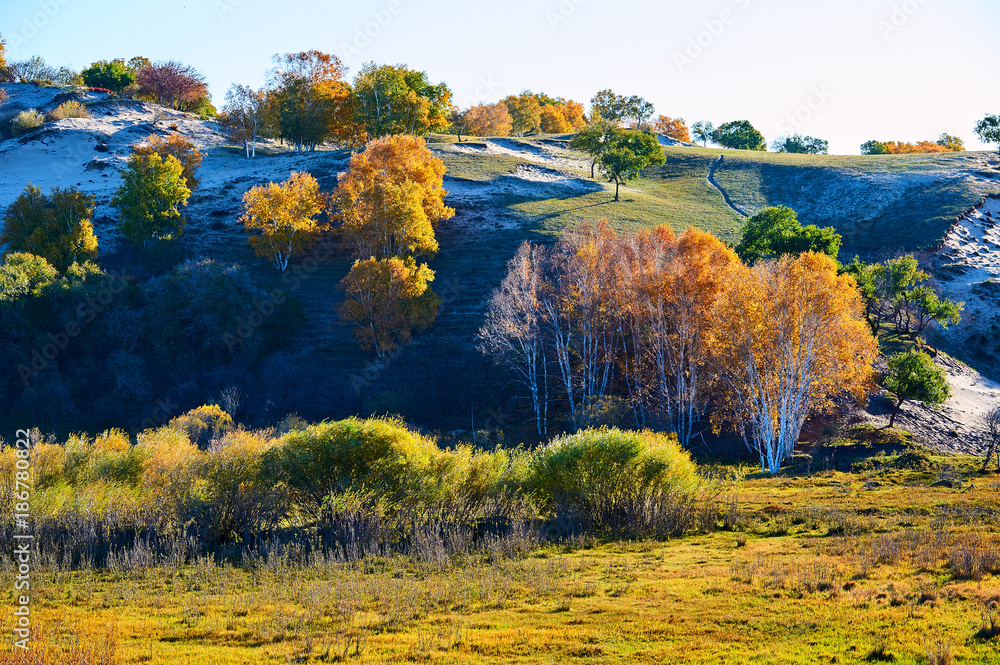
990 422
512 332
245 116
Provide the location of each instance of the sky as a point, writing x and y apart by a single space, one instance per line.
843 70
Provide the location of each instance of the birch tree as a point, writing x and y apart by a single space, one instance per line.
512 333
789 337
245 114
283 217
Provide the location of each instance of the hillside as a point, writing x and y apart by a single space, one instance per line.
505 191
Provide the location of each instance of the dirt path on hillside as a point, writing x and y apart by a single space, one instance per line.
711 180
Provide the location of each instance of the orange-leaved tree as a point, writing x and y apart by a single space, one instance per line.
283 217
788 338
310 99
385 300
674 284
488 120
675 128
176 146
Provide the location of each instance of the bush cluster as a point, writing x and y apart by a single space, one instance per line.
354 487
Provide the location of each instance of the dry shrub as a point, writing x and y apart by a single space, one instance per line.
204 424
68 109
26 121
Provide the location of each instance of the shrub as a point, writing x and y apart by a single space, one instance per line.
379 455
203 424
25 122
69 109
623 482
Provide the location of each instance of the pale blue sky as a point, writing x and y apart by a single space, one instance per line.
851 69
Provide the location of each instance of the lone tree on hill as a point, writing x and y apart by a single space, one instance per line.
627 154
988 130
594 139
703 131
739 135
152 189
913 375
285 216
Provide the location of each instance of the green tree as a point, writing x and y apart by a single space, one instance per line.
806 145
152 189
776 231
56 227
594 139
391 100
952 142
627 154
913 375
874 147
703 131
988 130
739 135
114 75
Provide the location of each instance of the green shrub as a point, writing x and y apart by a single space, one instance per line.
379 456
68 109
203 424
623 482
25 122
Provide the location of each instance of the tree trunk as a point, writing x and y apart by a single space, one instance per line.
892 418
592 165
617 185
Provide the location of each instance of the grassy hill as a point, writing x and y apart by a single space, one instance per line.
505 191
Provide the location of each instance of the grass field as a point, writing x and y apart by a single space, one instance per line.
850 558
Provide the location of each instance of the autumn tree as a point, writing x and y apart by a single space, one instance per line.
525 112
489 120
703 131
282 217
512 333
674 128
776 231
178 147
553 121
245 116
739 135
913 375
788 338
398 100
172 83
55 227
3 57
559 116
673 285
385 300
988 130
627 154
152 189
391 198
798 144
310 99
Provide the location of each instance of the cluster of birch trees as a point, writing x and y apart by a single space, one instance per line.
682 330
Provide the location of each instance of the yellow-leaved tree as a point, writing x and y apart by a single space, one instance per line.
386 299
56 227
177 146
788 338
283 217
